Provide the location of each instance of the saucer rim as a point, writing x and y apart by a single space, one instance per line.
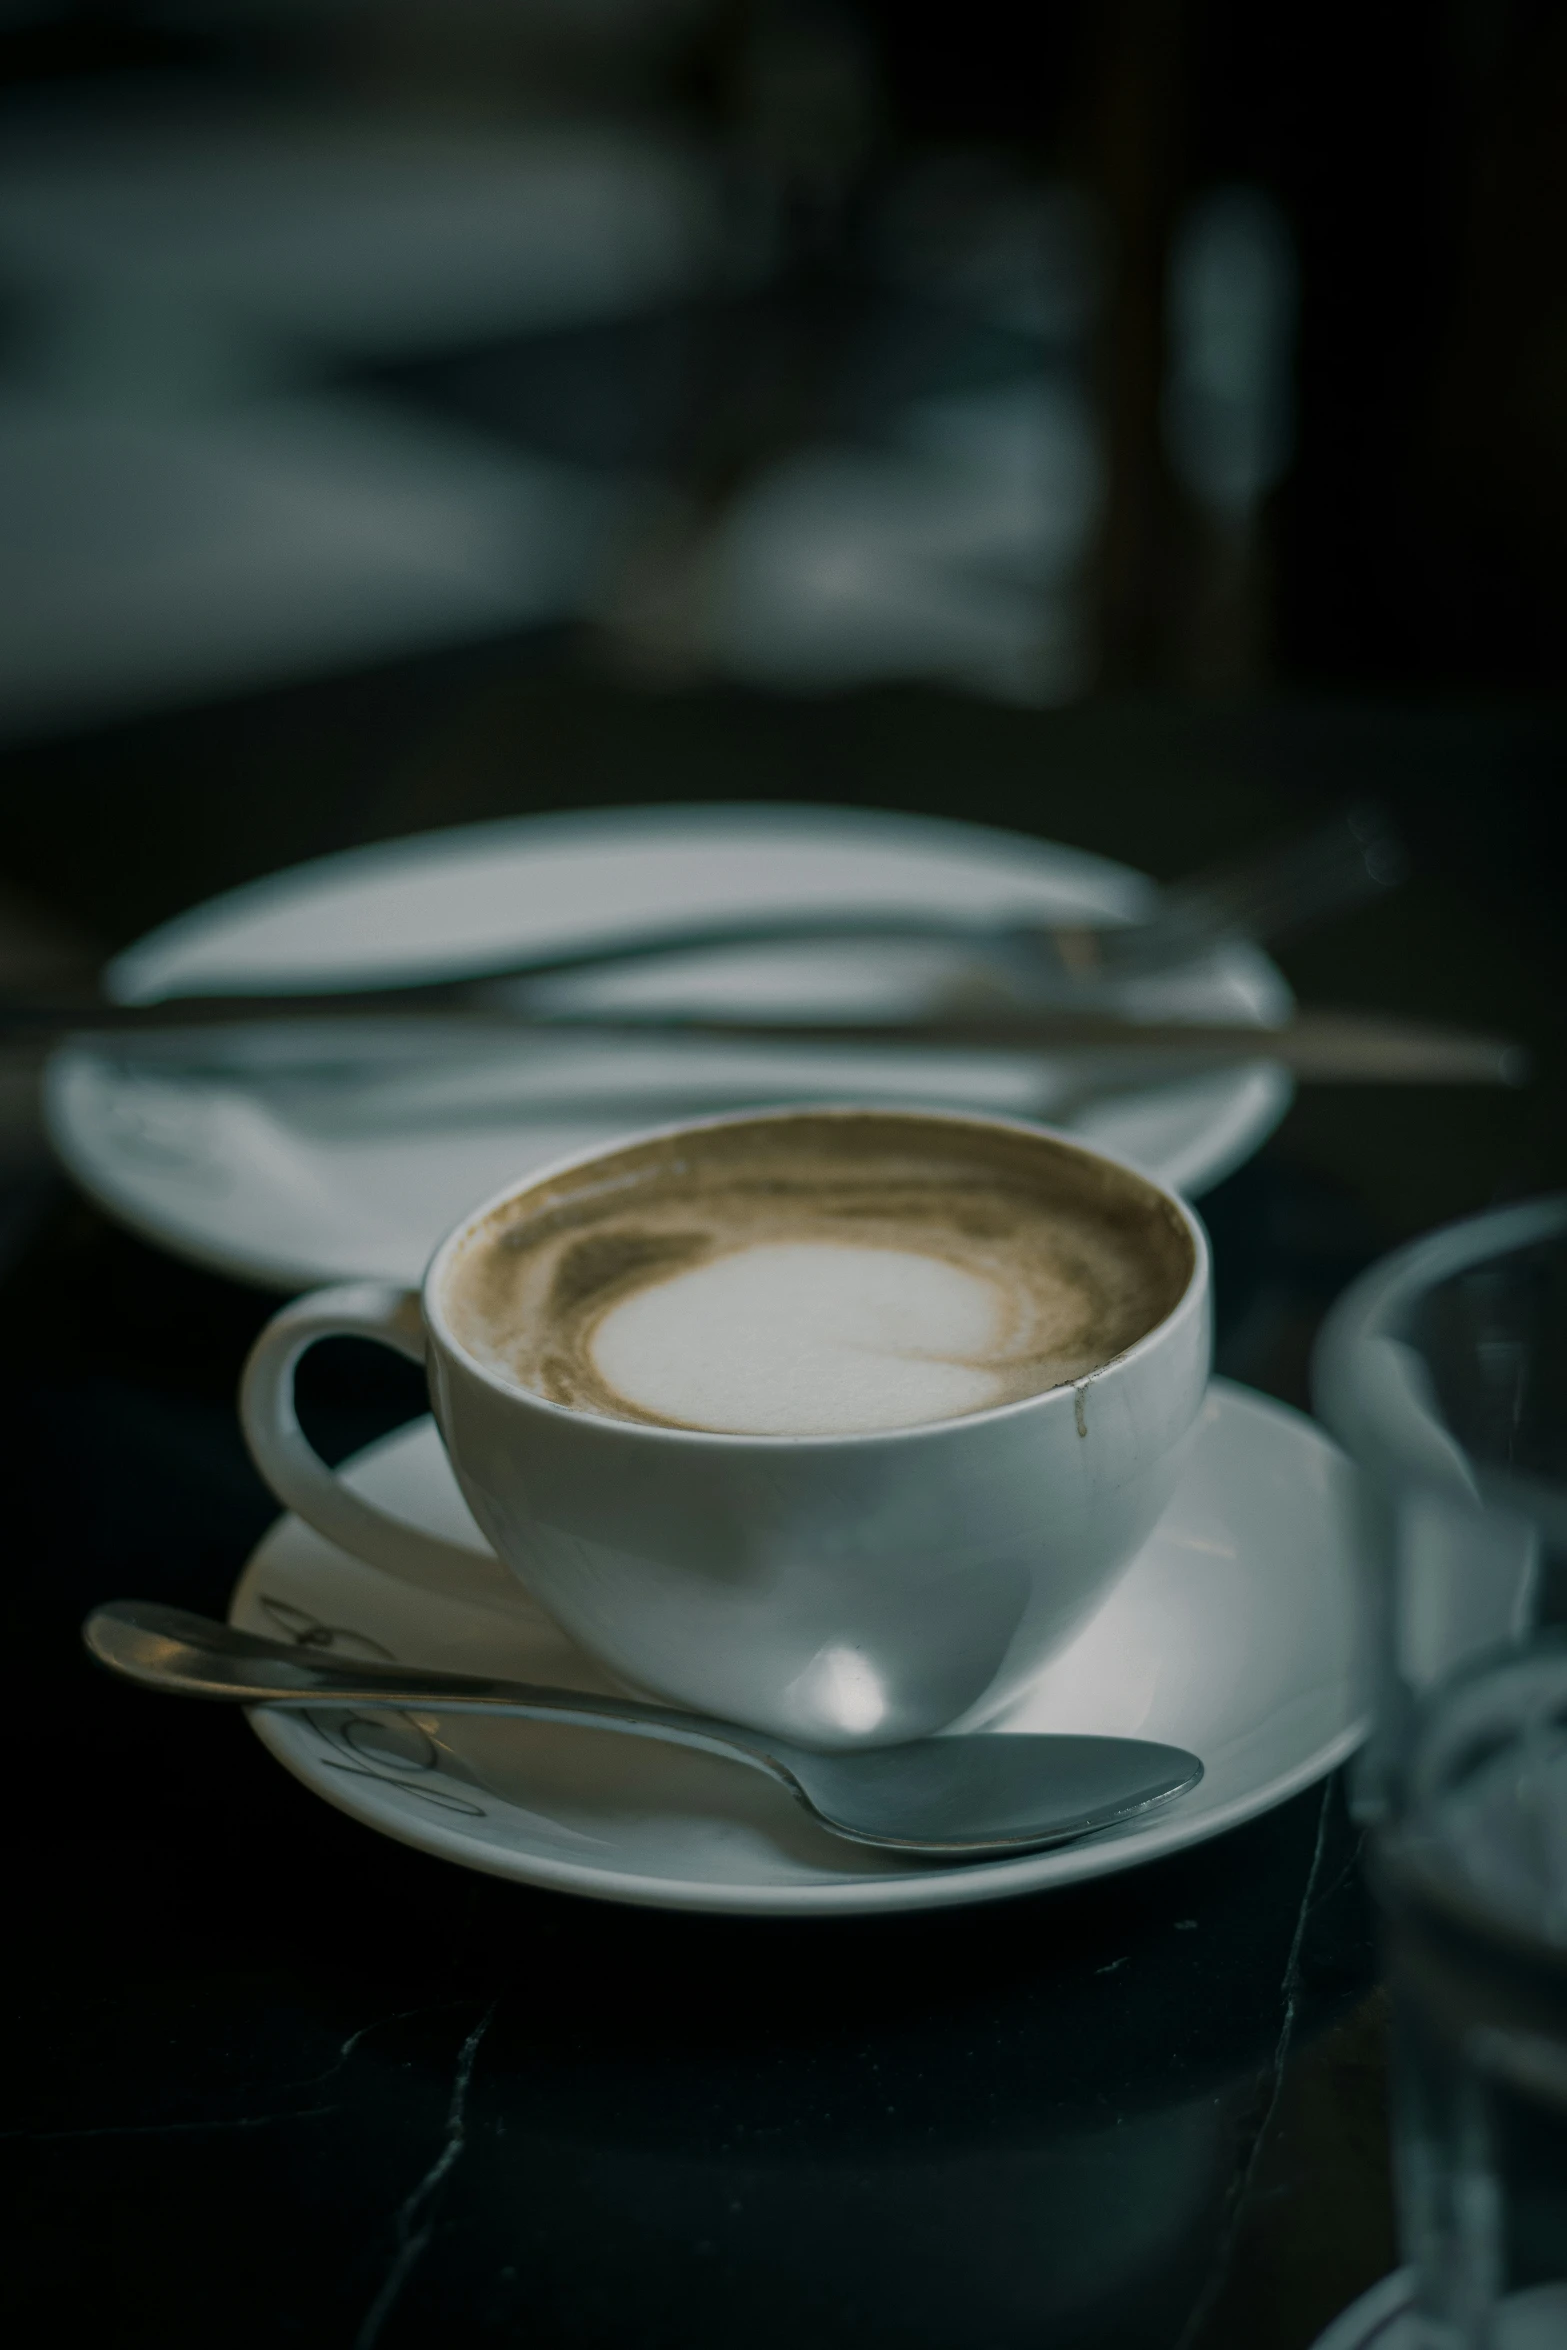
960 1888
849 1896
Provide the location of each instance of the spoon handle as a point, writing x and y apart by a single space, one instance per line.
185 1655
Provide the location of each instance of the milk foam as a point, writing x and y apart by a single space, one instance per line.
817 1273
789 1339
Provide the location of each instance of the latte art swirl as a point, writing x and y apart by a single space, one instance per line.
818 1273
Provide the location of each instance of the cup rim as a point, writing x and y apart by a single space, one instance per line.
1351 1390
439 1329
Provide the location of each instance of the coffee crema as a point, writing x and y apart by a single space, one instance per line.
818 1273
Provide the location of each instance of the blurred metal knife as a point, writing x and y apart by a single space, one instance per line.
1343 1047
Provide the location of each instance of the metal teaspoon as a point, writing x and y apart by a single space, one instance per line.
958 1798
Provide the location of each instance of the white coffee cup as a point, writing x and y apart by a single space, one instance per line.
862 1588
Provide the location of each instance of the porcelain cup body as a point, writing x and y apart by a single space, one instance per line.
861 1588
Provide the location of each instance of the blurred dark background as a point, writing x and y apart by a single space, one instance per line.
1143 424
1413 155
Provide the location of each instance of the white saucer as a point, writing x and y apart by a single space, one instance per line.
287 1183
1232 1634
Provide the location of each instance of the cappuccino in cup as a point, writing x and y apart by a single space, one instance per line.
817 1275
832 1422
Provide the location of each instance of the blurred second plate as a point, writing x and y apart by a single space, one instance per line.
286 1179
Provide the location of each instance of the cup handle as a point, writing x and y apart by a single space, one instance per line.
300 1477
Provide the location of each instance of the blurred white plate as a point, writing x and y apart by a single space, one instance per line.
147 559
193 499
286 1181
1232 1633
135 227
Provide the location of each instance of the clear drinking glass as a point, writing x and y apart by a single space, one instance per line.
1445 1373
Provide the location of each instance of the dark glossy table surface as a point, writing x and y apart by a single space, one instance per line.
273 2080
